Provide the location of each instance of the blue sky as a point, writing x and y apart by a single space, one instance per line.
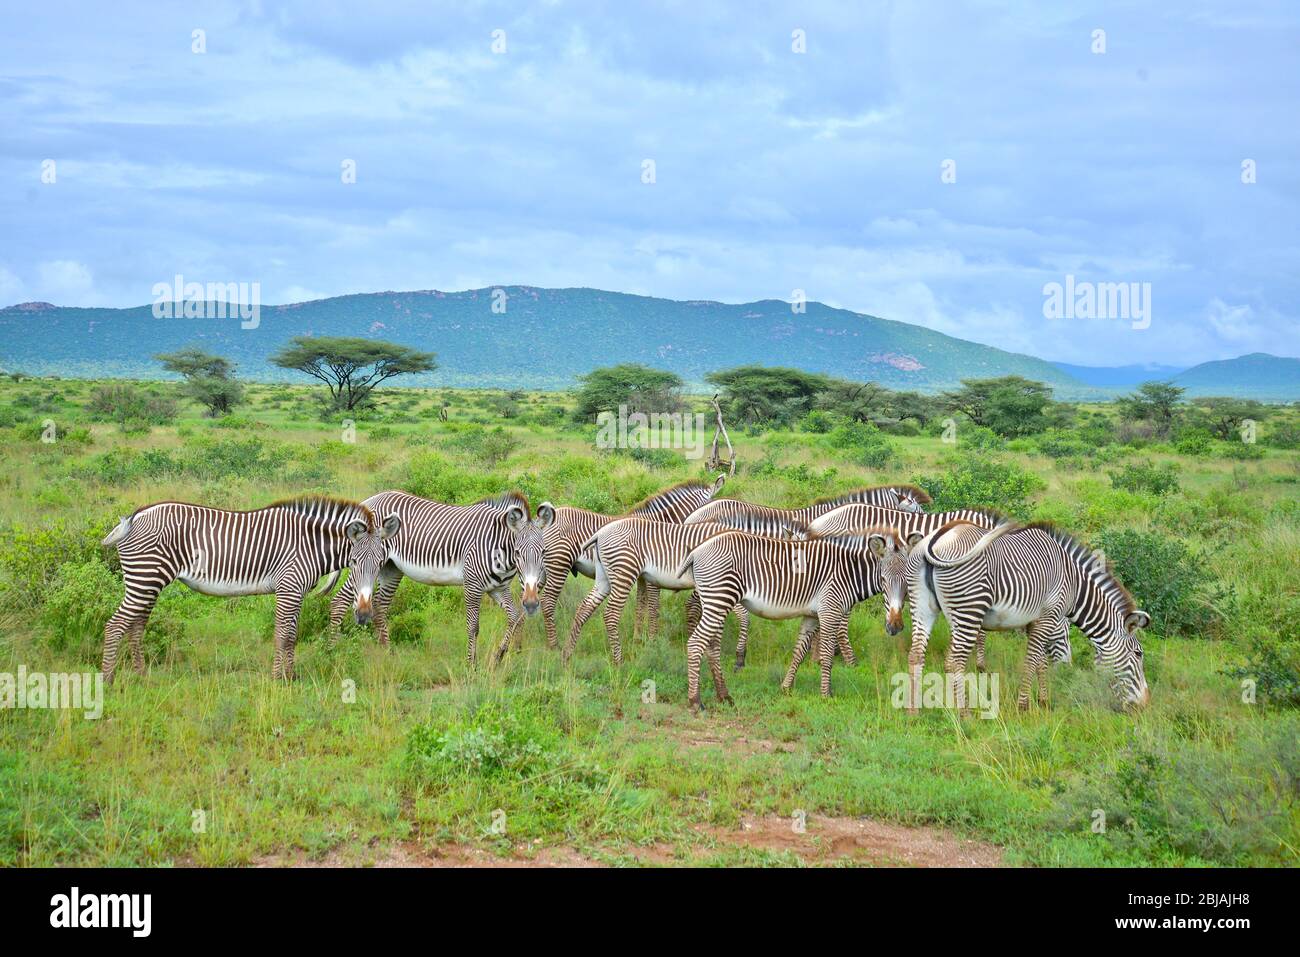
774 170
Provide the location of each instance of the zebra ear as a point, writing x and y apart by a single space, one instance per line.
876 542
914 538
355 530
515 517
545 515
1137 619
392 524
720 481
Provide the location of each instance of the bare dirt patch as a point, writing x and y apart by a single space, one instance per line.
827 840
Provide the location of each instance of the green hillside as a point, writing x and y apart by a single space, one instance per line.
1257 376
544 339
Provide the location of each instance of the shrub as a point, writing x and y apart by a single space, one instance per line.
863 443
1145 477
818 422
1059 444
432 476
978 481
1194 442
131 407
1168 580
80 599
30 558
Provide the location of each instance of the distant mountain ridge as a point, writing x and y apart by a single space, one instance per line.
1119 377
544 339
1256 376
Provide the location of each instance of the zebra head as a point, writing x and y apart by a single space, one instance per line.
891 553
1128 676
911 498
530 555
368 553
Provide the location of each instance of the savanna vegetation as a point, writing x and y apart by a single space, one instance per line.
370 754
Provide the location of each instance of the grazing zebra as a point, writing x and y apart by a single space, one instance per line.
1022 576
479 547
908 498
283 549
819 580
628 550
573 526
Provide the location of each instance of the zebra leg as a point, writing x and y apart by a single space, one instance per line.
742 643
389 578
715 667
834 631
585 610
704 634
965 633
339 605
692 612
844 648
619 588
980 664
473 599
134 634
548 602
503 598
1042 635
925 610
807 632
137 603
288 605
651 610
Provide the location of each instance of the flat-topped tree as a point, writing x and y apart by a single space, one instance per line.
351 367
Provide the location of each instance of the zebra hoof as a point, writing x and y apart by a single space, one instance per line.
695 706
739 666
727 700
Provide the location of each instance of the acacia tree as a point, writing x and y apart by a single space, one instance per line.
1155 402
351 368
767 393
209 380
1010 405
640 388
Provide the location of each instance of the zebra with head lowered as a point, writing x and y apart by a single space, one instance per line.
564 537
1022 576
478 547
283 549
818 580
631 550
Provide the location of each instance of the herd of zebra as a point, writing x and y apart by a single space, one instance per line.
980 570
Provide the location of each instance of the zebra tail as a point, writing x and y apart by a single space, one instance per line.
119 532
329 584
976 550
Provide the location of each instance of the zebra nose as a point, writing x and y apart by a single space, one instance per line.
531 606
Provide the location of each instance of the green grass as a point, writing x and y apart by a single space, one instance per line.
428 751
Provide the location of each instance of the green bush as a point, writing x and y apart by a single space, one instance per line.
862 443
430 475
30 558
1195 441
818 422
973 480
80 599
1168 580
1145 477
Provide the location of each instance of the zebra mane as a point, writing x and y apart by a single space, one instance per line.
767 526
857 496
324 506
663 500
1087 559
507 500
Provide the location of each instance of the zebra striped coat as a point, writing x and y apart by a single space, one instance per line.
572 527
1029 576
819 580
475 547
629 550
283 549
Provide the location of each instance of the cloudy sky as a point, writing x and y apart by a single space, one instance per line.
774 170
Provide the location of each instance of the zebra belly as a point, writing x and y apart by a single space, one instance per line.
768 608
585 566
452 573
1006 618
662 578
220 589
